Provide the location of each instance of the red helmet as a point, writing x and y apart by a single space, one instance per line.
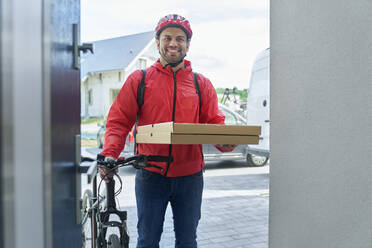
174 20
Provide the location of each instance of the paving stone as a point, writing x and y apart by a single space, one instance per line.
228 221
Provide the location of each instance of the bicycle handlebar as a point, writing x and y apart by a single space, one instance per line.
137 161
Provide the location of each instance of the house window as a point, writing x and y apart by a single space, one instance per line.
120 75
90 97
142 64
113 94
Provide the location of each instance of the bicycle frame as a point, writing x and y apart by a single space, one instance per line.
101 219
104 217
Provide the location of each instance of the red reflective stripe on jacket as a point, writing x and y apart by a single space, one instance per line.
157 108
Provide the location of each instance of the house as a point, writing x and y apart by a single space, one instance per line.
104 72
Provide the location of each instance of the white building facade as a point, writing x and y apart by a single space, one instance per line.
101 84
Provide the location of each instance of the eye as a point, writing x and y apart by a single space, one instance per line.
180 39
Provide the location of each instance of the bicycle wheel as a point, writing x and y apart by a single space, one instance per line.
113 241
125 237
87 229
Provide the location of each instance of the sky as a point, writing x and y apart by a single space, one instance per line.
227 35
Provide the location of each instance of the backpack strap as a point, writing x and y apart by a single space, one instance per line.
140 96
141 90
200 104
198 91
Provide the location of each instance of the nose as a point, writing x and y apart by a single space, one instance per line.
172 43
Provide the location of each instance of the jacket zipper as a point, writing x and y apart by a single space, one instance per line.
173 115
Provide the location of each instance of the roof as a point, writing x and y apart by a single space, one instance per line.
114 54
262 60
262 54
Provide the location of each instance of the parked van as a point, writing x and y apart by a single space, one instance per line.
258 108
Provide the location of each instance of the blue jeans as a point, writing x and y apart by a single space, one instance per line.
153 192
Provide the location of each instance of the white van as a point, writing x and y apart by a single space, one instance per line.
258 108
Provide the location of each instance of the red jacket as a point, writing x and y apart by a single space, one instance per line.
158 107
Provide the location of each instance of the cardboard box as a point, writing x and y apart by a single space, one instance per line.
190 133
197 128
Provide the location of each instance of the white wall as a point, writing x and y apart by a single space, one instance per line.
321 124
23 140
101 85
95 84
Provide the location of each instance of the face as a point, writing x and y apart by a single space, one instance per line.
172 45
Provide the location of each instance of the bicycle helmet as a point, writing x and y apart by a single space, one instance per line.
173 20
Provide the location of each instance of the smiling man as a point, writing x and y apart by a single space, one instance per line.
172 92
173 45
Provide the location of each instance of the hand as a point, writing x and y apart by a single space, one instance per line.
105 172
226 147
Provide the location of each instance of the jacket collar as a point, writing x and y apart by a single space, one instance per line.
168 69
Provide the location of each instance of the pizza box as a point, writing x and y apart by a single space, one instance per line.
187 133
176 138
197 128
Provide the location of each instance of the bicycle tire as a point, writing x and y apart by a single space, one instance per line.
113 241
125 237
86 220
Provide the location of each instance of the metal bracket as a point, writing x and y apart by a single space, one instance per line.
77 178
82 168
77 48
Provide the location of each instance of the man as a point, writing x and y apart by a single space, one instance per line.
170 95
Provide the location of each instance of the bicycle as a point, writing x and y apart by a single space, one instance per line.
96 209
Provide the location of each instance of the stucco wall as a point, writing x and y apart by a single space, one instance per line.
101 85
321 124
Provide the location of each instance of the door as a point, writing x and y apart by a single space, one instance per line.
40 116
65 121
1 121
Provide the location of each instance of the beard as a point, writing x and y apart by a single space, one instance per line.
173 57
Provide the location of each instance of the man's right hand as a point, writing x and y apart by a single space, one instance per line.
104 171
